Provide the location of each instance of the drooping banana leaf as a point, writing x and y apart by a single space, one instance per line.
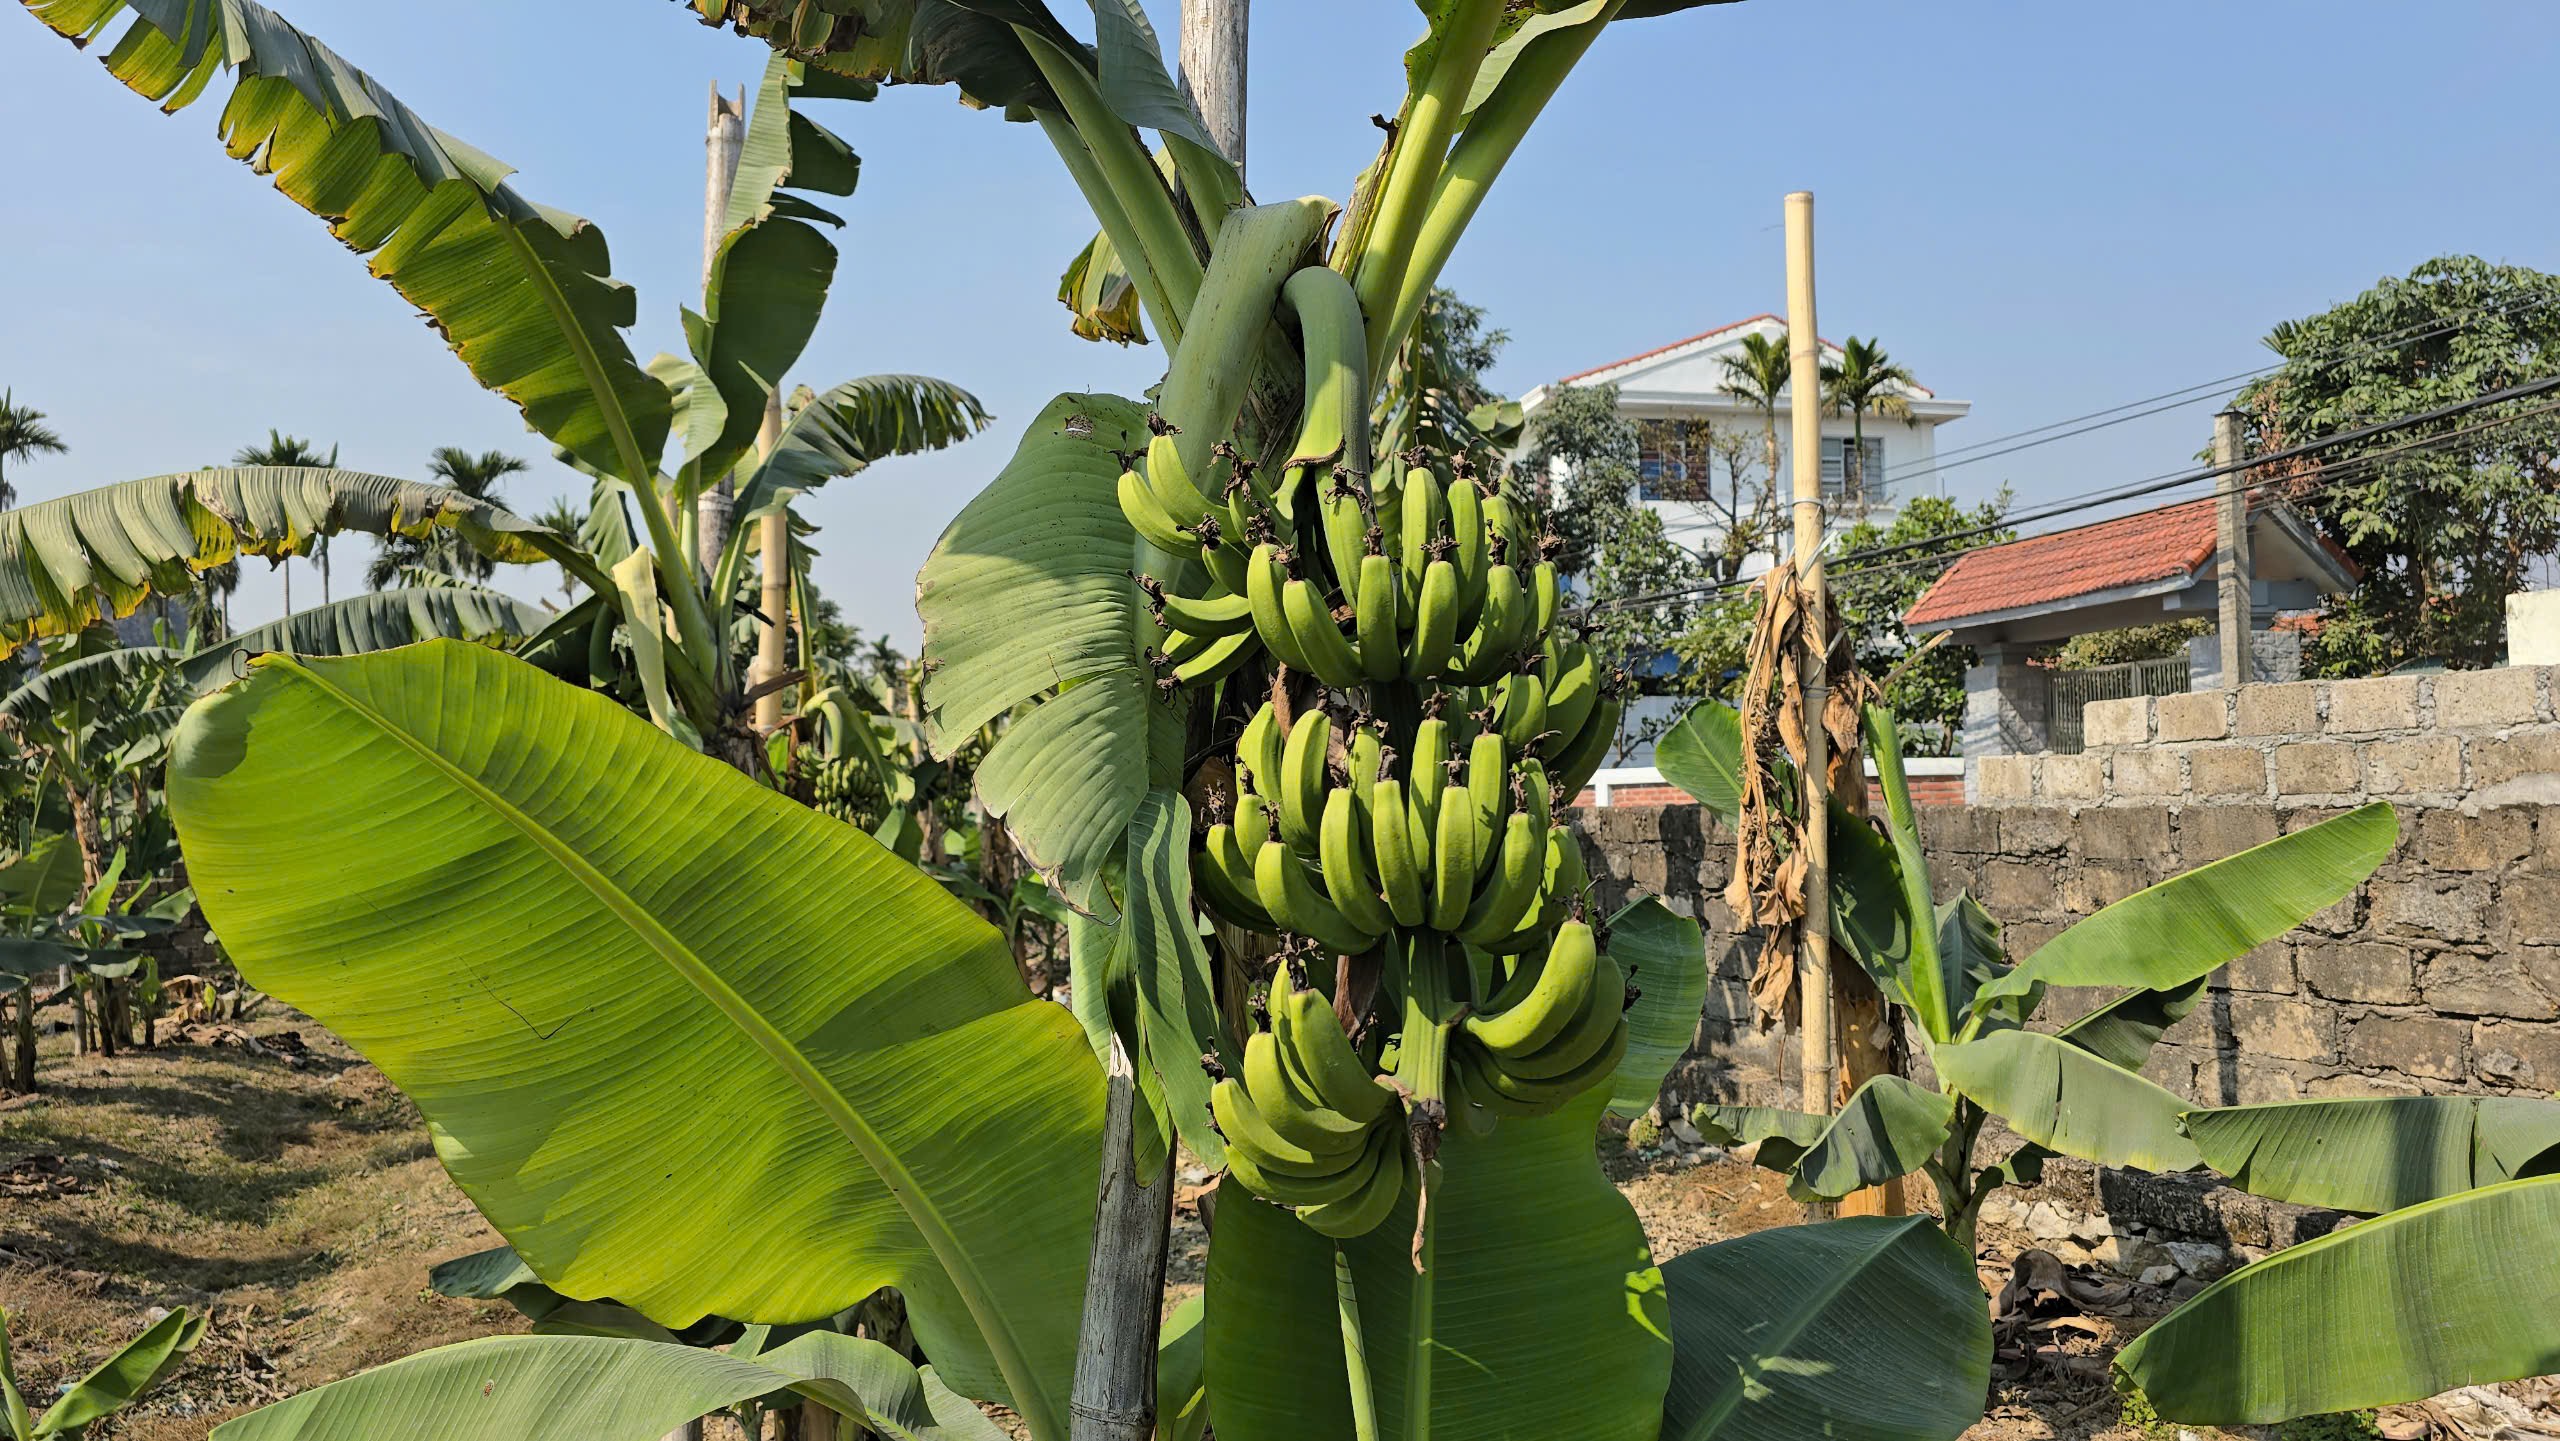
34 958
785 150
768 282
1097 291
122 1378
1545 1311
2182 928
1129 69
591 1388
2123 1031
98 555
1665 958
1703 756
2069 1100
2460 1291
44 878
1865 1329
520 291
530 894
87 682
2378 1153
845 429
498 1274
1149 980
1027 596
1888 1128
371 622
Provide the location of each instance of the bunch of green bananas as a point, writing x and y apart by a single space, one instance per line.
1468 848
1307 1125
1554 1028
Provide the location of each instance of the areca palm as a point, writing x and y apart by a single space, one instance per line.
23 433
1756 377
444 553
1865 381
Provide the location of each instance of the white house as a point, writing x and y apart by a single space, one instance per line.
1684 382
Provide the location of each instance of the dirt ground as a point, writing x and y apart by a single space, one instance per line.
302 1206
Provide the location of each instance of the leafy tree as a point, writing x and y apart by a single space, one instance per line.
2140 642
23 433
1926 689
2443 534
283 449
1865 382
444 553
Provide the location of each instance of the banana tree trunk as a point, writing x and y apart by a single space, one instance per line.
689 1431
1115 1385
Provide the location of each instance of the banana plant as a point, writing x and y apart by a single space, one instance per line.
116 1384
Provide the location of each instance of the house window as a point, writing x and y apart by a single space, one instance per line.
1835 470
1672 460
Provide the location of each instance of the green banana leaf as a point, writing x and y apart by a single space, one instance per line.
2123 1031
1865 1329
1545 1309
1028 592
1956 942
1889 1128
89 680
2069 1100
122 1378
519 291
843 430
1149 979
1665 957
2378 1153
30 958
1182 1397
376 621
1702 755
2180 929
98 555
591 1388
783 149
552 901
767 284
2459 1291
44 878
1869 915
1129 70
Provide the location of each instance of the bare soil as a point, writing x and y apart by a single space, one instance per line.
301 1205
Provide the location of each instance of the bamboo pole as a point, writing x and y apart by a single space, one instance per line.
1813 955
724 137
774 541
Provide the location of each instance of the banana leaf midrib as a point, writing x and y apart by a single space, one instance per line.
902 1183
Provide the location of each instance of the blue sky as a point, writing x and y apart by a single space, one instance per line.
2044 209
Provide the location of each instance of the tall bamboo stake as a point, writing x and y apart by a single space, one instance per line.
774 542
1813 954
721 142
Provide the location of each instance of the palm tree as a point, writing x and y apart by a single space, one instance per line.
283 449
23 433
1756 377
1866 379
569 518
444 552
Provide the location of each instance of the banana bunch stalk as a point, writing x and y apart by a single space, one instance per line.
1308 1125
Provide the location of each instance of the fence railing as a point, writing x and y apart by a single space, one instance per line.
2068 690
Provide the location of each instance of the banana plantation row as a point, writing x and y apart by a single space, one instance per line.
1272 678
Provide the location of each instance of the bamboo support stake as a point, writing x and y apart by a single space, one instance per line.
725 136
774 540
1813 955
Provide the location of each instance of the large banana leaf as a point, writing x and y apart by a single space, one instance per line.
1889 1128
2062 1097
589 1388
1865 1329
1665 958
86 681
768 282
377 621
687 1044
2454 1292
44 878
848 427
2378 1153
1027 597
519 290
1703 756
2123 1031
2185 926
1545 1311
99 554
1182 1396
1870 914
120 1380
1950 944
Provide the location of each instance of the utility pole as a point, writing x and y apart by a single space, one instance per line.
2231 531
1804 410
1213 51
725 136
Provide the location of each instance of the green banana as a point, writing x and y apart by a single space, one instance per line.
1529 792
1182 647
1501 629
1580 759
1550 1092
1324 1053
1425 517
1264 577
1486 1086
1346 878
1390 1167
1546 591
1280 882
1560 992
1208 615
1365 751
1225 879
1328 655
1252 823
1218 660
1520 708
1473 555
1269 1165
1429 774
1259 749
1453 867
1299 1118
1573 688
1149 518
1171 486
1386 506
1400 869
1435 624
1299 787
1375 619
1513 888
1488 792
1603 1011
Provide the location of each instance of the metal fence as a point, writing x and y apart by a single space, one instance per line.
2069 690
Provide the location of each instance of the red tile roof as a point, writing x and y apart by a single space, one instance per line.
2152 545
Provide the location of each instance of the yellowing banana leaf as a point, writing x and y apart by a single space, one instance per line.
520 291
2378 1153
1703 756
375 621
2185 926
1888 1128
2068 1100
592 1388
1665 958
2460 1291
1027 597
1866 1329
1545 1311
687 1044
98 555
1097 291
121 1379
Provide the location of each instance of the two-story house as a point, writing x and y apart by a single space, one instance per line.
1693 434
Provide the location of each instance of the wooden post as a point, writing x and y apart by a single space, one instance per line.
774 542
2231 531
721 142
1213 51
1813 955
